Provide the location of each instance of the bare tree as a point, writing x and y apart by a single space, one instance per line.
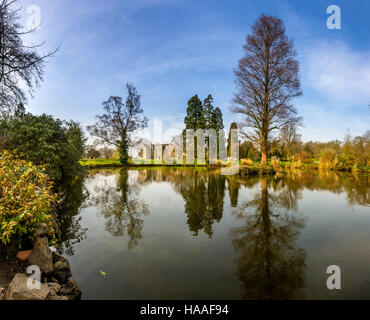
120 120
289 137
267 80
20 65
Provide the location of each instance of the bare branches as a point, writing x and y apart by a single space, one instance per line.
20 65
120 120
267 80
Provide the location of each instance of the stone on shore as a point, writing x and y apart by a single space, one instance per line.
71 290
42 230
41 255
54 297
57 257
18 290
23 256
62 269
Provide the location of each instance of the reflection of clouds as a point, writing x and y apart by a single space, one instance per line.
116 195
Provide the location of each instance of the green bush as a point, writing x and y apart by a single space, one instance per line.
55 144
26 199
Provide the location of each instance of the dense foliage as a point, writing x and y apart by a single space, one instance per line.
26 199
56 144
202 115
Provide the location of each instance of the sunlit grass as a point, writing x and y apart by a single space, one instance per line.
95 163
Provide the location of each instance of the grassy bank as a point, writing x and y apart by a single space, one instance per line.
249 169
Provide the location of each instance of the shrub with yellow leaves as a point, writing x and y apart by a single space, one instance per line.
26 200
275 162
246 162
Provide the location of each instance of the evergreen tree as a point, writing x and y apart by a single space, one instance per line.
216 120
207 112
193 119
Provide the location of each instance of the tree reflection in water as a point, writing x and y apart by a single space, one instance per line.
203 191
119 204
69 219
204 197
269 265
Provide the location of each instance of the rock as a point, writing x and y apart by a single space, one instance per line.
54 291
2 293
62 276
62 265
54 287
52 297
18 290
23 256
42 230
41 255
71 290
57 257
62 269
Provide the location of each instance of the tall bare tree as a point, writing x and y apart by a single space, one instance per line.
267 80
120 120
20 65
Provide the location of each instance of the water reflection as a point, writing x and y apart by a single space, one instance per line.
260 222
75 195
269 265
202 190
120 205
204 197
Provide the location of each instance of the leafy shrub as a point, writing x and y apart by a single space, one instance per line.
26 199
246 162
55 144
304 157
275 162
296 165
330 161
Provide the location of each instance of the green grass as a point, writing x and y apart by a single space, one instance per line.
99 162
96 163
93 163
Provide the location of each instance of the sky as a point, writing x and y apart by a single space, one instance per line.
173 49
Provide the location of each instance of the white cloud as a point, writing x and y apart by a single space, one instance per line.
338 72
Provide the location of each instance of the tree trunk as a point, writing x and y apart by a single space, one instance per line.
264 152
123 151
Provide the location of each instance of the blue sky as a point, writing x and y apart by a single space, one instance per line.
173 49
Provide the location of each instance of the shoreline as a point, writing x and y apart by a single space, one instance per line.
255 168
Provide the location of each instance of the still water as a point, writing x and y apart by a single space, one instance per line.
185 233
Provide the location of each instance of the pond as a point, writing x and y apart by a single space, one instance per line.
185 233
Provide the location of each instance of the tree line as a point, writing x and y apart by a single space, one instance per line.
267 81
